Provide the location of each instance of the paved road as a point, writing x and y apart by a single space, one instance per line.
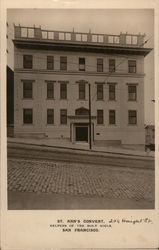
88 181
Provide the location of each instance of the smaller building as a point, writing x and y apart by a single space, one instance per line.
150 137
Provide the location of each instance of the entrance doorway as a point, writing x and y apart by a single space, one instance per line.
81 133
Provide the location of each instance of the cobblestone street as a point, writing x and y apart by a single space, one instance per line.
80 179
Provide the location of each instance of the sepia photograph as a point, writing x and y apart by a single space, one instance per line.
80 109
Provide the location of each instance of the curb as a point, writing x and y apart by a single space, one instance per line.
43 147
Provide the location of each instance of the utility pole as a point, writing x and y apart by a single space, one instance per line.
90 133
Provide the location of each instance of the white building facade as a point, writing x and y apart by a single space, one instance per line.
53 71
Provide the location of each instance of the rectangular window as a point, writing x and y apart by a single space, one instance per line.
63 116
81 64
111 65
99 64
27 61
111 92
50 90
131 66
27 89
132 93
27 116
63 91
63 63
111 116
81 91
50 116
132 117
99 91
50 62
100 119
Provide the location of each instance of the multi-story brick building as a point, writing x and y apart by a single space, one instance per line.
53 72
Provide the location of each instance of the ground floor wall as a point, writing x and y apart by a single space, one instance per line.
99 135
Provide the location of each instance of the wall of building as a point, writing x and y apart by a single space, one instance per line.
127 134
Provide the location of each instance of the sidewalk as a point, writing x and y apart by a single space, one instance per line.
84 147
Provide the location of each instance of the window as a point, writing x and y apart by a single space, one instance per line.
50 116
27 116
99 64
132 66
50 62
50 90
132 93
111 116
111 65
99 91
27 89
63 63
63 116
111 92
63 91
81 64
132 117
81 91
27 61
99 116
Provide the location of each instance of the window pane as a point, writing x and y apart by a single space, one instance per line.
50 116
31 33
61 36
132 66
50 90
27 116
50 62
112 92
94 38
63 116
111 116
99 116
132 117
132 93
27 61
63 63
82 64
111 65
63 91
99 65
81 91
99 91
27 89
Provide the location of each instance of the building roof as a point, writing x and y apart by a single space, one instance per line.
36 38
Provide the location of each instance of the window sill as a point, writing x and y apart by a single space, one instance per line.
132 125
82 100
100 100
50 99
28 124
50 125
101 125
112 100
27 98
132 100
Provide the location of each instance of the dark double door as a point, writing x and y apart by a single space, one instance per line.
81 133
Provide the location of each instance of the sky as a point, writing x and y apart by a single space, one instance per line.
106 21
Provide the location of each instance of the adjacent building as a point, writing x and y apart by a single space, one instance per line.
52 74
150 136
10 101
